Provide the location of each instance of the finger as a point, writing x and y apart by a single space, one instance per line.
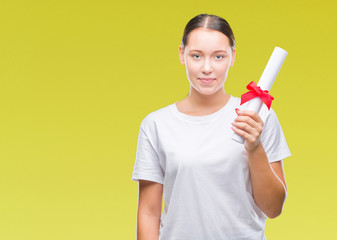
254 115
249 125
244 135
248 134
249 120
245 127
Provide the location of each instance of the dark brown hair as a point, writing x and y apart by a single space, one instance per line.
208 22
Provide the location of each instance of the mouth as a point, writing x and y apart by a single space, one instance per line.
207 80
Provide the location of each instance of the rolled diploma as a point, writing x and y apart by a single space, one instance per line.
265 83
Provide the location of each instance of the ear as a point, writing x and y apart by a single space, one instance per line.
181 55
233 57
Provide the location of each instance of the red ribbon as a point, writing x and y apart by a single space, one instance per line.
256 91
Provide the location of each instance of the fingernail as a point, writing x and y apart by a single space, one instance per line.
237 111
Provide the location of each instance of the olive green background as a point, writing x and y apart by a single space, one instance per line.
78 77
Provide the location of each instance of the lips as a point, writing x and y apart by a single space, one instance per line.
206 80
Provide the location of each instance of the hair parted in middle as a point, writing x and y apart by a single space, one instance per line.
208 21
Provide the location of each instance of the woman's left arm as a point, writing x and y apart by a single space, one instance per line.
268 181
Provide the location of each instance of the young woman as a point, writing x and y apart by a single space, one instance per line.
214 188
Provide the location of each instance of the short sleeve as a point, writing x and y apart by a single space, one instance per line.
273 139
147 165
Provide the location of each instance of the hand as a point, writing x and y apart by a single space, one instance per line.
248 125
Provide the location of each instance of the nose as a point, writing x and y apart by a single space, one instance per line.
207 67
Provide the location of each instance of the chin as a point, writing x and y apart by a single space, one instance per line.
207 92
204 90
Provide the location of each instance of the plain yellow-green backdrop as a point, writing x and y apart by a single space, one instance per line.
78 77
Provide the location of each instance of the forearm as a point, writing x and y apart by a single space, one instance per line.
147 227
268 190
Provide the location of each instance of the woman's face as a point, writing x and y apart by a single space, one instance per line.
207 57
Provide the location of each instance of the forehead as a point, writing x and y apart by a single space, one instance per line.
207 40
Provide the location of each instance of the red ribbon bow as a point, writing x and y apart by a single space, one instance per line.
256 91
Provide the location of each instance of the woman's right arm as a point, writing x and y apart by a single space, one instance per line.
149 210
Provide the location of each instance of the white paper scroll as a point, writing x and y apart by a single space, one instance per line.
265 83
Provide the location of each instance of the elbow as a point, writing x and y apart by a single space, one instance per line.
274 214
274 211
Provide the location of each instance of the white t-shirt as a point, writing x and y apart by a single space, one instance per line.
205 175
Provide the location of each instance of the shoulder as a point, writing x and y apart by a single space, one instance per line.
151 120
264 113
236 101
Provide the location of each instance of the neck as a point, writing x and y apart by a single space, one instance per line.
200 101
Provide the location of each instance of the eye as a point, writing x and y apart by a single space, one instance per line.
196 56
219 57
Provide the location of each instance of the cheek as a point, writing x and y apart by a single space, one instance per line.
221 68
193 68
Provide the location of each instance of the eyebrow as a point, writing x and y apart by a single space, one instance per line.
195 50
